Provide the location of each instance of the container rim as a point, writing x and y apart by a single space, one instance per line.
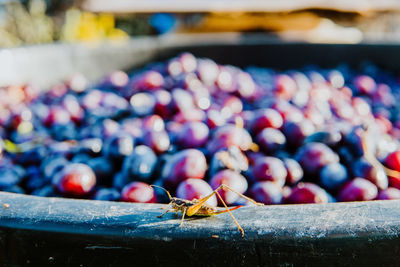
379 218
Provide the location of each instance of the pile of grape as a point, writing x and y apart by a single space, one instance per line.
190 125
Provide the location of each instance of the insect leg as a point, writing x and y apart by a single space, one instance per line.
223 211
233 217
165 212
224 186
183 216
198 203
193 209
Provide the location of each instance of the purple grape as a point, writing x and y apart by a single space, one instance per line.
188 163
375 174
138 192
307 193
271 140
266 118
269 169
296 132
266 192
232 179
389 193
333 175
192 135
294 171
314 156
75 179
358 189
196 189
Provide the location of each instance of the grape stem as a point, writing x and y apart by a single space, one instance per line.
373 160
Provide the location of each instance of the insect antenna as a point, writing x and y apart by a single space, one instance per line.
169 195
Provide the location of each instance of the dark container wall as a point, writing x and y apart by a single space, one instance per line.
38 231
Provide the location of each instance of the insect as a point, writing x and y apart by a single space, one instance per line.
198 207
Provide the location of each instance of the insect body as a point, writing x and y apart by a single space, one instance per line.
197 207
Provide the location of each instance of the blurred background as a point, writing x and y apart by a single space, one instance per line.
25 22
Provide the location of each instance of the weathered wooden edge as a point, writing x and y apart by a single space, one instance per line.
347 233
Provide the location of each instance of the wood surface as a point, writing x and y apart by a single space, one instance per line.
66 232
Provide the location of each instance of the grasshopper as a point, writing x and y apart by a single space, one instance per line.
197 207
